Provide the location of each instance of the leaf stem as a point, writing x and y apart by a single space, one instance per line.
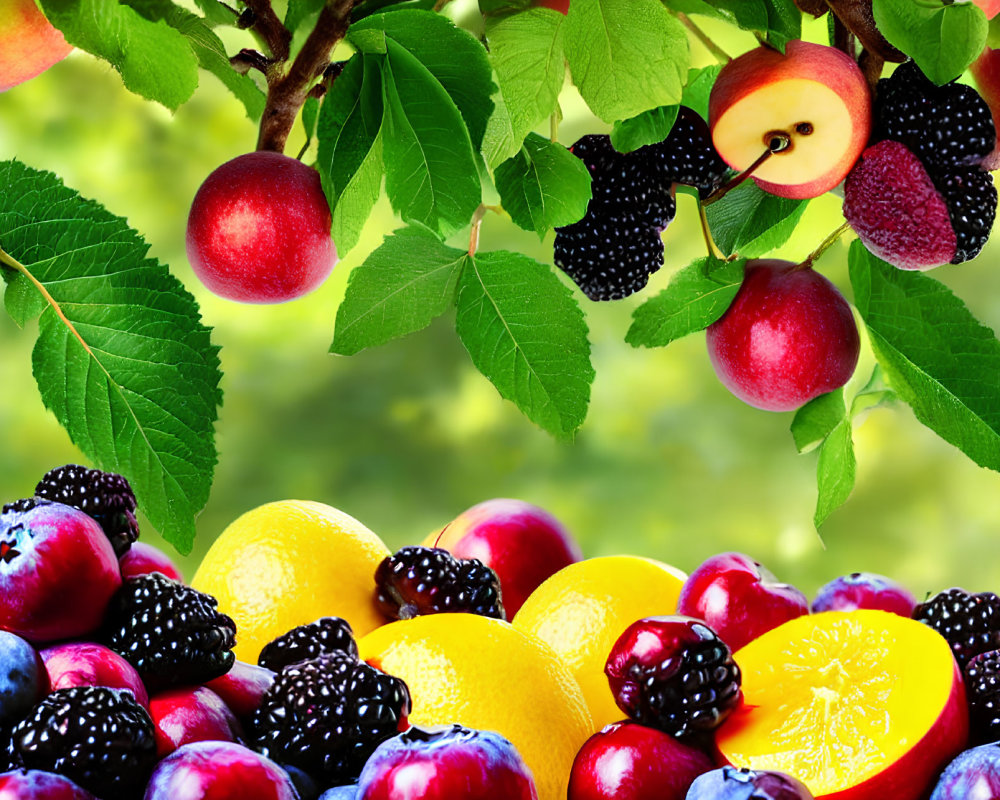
824 246
713 248
477 223
720 55
554 127
286 93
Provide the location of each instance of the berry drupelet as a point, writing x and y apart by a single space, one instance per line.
327 715
325 635
675 674
105 496
428 580
99 738
982 689
171 633
969 622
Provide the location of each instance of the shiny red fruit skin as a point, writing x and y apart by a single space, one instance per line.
143 558
218 771
628 761
242 688
36 785
187 715
90 664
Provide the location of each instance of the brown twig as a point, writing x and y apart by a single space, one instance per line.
260 17
248 59
825 245
286 93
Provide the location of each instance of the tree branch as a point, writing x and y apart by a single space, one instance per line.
286 93
260 17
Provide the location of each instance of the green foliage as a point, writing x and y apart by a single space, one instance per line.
825 423
941 36
649 127
751 222
122 358
699 87
775 21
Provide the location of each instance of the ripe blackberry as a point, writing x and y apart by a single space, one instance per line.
687 156
428 580
617 180
20 506
970 622
982 689
971 198
326 716
946 126
674 674
105 496
171 633
325 635
99 738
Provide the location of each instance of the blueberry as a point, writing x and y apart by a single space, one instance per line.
23 679
730 783
973 775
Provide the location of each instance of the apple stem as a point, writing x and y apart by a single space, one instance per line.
713 248
286 93
720 55
732 183
824 246
477 223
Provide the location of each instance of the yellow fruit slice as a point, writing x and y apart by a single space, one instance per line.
860 704
288 563
583 609
486 675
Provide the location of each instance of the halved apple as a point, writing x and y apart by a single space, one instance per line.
810 106
29 44
986 73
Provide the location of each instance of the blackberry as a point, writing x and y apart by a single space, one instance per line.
99 738
971 198
323 636
428 580
21 506
945 126
687 156
105 496
969 622
325 716
617 180
674 674
171 633
982 689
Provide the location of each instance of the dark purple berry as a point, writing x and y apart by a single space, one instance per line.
172 634
429 580
675 674
326 716
730 783
971 199
982 690
969 622
318 638
99 738
105 496
974 774
687 156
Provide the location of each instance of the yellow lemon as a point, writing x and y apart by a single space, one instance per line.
484 674
291 562
582 610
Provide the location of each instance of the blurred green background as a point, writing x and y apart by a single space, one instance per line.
405 437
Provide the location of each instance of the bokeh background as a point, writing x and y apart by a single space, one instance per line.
405 437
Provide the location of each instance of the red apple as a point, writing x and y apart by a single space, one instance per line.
986 73
29 44
739 599
627 761
259 230
788 337
521 542
812 97
243 688
191 714
219 771
142 559
864 590
90 664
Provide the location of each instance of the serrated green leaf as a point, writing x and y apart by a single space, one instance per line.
128 369
22 300
543 186
696 297
752 222
368 7
943 38
816 420
526 333
835 472
526 51
431 173
310 116
350 148
650 127
775 21
299 11
626 56
453 56
699 88
217 12
399 289
697 7
154 60
936 356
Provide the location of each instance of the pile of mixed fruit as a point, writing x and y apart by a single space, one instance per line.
119 681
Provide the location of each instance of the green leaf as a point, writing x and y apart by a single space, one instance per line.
453 56
696 297
543 186
310 116
874 394
526 333
775 21
350 148
699 88
935 354
217 12
697 7
626 56
751 222
122 358
943 38
650 127
368 7
431 173
299 11
526 51
835 471
816 420
154 60
399 289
